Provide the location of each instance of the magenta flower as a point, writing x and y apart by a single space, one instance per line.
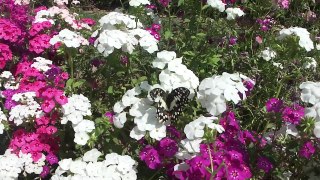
110 115
150 156
293 115
45 171
60 97
284 4
48 105
307 150
167 147
264 164
274 105
164 3
156 27
232 41
235 173
52 159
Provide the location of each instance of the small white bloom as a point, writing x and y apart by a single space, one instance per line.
268 54
136 3
92 155
81 138
232 13
217 4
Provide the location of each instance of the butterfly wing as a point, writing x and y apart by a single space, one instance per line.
176 100
162 108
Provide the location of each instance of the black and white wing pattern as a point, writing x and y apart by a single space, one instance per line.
170 105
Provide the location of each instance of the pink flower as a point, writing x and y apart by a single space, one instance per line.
60 97
36 156
49 93
36 145
48 105
51 130
52 159
39 43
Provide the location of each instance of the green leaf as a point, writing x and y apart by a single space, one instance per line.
188 53
110 90
69 84
79 83
180 2
167 34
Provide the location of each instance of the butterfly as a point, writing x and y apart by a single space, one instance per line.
169 106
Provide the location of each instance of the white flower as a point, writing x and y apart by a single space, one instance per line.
81 138
42 64
195 129
313 111
119 120
217 4
310 92
138 2
232 13
316 129
136 133
78 167
84 126
268 54
69 38
310 64
158 132
303 34
65 164
215 91
92 155
163 58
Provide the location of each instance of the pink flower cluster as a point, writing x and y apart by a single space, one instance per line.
291 115
5 55
9 31
39 27
227 156
266 23
154 31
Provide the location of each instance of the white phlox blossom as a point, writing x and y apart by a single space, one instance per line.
136 3
113 167
42 64
69 38
188 148
267 54
61 2
62 13
217 4
11 165
195 129
303 34
216 90
175 74
233 13
311 63
311 94
26 109
75 110
8 81
121 31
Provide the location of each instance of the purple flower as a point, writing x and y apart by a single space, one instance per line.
52 159
293 115
307 150
264 164
45 171
150 156
164 3
232 41
124 59
274 105
173 133
110 115
167 147
156 27
234 172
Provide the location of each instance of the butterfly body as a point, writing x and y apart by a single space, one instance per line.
169 106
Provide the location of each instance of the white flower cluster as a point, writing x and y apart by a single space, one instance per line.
136 3
8 81
114 167
77 107
69 38
311 94
194 132
268 54
12 165
216 90
175 75
303 34
232 13
311 63
22 2
28 108
42 64
121 31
